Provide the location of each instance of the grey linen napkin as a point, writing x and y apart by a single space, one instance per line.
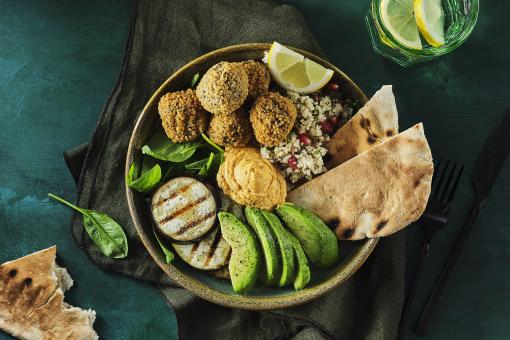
164 35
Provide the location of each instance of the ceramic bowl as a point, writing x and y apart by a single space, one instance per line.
352 254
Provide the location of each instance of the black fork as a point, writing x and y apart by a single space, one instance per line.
444 184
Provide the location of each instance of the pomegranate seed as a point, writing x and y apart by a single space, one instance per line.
333 120
316 97
292 162
303 137
333 86
326 127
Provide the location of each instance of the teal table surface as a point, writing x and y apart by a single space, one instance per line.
59 60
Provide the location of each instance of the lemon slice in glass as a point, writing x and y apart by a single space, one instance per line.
398 18
430 20
294 72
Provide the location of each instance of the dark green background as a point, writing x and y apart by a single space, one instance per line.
59 61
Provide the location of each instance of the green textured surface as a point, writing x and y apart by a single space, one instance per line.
59 61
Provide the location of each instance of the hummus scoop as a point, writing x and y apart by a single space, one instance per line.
249 179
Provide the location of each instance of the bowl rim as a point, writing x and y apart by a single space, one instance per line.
201 289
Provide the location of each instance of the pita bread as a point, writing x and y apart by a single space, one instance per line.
376 193
372 124
31 300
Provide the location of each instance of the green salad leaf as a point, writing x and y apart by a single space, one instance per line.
146 179
169 256
172 171
106 234
162 148
197 165
194 80
207 166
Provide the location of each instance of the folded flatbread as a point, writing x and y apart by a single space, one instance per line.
31 300
371 125
375 193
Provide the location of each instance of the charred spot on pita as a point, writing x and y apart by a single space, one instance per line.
371 139
381 225
416 182
28 281
334 223
13 272
347 233
364 122
390 133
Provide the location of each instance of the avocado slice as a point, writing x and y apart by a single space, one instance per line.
245 259
305 232
329 241
309 229
267 241
286 249
303 269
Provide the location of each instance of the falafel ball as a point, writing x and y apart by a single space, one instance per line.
231 129
272 117
182 116
258 78
223 88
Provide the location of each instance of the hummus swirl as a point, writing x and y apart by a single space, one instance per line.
249 179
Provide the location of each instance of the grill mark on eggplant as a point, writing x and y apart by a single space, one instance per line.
193 250
174 194
212 249
194 223
185 208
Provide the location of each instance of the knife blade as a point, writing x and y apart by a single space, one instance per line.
486 170
492 157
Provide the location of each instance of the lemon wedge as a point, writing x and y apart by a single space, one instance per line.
430 20
398 18
294 72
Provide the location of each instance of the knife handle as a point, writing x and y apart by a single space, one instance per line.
413 288
453 258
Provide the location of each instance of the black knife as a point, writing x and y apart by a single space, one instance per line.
487 167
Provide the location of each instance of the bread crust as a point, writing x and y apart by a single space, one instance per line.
32 300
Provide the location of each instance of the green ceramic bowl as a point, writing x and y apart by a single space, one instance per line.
352 254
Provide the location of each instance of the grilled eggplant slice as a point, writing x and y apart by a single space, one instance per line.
184 209
222 273
211 253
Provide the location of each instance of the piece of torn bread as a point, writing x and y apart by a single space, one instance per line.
32 300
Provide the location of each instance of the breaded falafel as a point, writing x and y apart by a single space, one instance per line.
231 129
272 117
182 116
223 88
258 78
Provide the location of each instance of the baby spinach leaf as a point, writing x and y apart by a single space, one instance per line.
147 178
134 170
172 171
194 80
211 143
197 165
169 256
162 148
207 166
106 234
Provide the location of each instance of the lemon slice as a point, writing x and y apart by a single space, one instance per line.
398 18
294 72
430 20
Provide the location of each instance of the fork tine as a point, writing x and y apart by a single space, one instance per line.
436 167
452 193
442 175
448 182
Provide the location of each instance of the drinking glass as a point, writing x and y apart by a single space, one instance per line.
459 20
